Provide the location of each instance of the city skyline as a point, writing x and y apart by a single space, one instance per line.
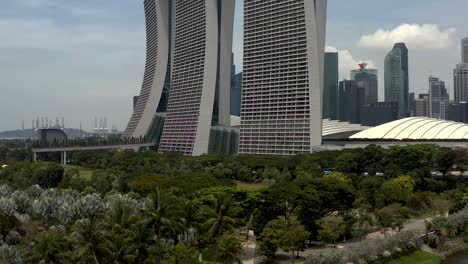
50 61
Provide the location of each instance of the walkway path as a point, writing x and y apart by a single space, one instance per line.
416 225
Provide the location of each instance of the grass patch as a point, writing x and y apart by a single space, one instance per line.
83 172
419 257
252 187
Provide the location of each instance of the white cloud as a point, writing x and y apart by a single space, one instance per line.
347 62
426 36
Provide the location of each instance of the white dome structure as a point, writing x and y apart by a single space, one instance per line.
416 128
335 128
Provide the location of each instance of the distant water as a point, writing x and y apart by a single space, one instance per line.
459 258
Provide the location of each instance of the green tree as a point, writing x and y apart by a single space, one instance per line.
445 159
220 216
229 249
87 240
161 209
405 182
332 227
393 217
293 238
50 176
269 240
47 248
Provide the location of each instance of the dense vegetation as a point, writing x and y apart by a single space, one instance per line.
166 208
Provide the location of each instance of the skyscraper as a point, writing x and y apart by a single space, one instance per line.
460 81
421 105
464 50
367 79
378 113
155 88
438 99
187 82
412 104
351 99
236 94
284 46
396 78
201 74
330 91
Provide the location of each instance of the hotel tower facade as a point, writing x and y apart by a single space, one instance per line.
284 46
188 74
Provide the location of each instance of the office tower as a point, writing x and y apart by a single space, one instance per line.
421 105
464 50
458 112
201 74
351 99
330 91
236 94
378 113
155 87
396 78
284 46
438 99
460 81
367 79
412 104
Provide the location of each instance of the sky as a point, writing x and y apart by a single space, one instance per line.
85 59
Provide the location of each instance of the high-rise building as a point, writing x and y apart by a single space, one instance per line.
460 81
438 98
378 113
155 88
187 82
397 78
412 104
421 105
464 50
369 80
330 89
351 99
201 74
284 46
458 112
236 94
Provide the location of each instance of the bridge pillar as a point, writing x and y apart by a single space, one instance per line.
34 157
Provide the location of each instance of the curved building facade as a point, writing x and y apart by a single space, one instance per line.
156 80
200 74
416 128
284 43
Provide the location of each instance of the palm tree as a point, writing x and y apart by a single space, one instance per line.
119 218
142 238
220 215
46 248
87 238
119 248
160 211
230 249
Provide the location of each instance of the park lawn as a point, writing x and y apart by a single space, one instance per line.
419 257
84 173
252 187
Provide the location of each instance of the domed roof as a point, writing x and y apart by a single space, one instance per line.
415 128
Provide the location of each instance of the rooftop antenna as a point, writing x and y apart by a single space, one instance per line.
63 122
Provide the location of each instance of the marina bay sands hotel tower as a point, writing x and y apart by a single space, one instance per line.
187 78
184 103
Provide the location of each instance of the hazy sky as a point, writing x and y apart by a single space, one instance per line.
85 58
